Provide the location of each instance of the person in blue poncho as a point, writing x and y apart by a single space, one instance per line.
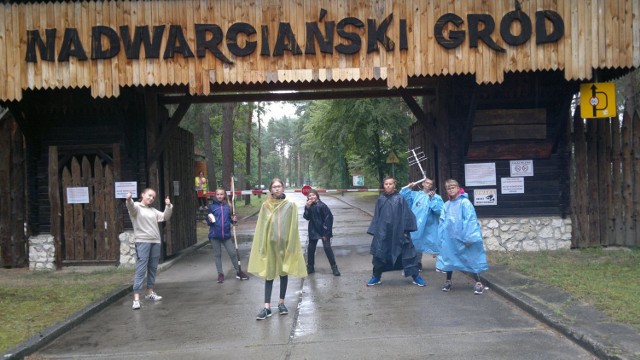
461 246
426 205
391 246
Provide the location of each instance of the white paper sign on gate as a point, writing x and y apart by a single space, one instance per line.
480 174
123 187
512 185
78 195
484 197
521 168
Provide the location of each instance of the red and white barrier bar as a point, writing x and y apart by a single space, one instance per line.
211 194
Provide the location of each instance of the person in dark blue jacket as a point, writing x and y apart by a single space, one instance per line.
391 227
320 227
220 221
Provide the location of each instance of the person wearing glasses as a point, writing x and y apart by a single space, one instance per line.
461 246
276 251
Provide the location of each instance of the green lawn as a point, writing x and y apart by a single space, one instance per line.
607 279
33 301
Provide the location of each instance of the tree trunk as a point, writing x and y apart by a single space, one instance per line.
247 160
208 154
227 144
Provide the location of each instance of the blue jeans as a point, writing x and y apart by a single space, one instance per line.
147 258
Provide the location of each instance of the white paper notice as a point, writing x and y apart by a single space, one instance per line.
483 174
77 195
512 185
482 197
521 168
123 187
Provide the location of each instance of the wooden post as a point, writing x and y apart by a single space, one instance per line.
5 196
627 180
581 225
54 201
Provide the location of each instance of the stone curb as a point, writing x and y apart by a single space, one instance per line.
590 332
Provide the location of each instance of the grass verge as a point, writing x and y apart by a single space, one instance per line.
607 279
253 207
33 301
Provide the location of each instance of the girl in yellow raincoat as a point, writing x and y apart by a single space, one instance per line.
276 250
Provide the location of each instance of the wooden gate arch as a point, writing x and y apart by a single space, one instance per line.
88 228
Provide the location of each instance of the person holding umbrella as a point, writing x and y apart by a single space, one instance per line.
276 251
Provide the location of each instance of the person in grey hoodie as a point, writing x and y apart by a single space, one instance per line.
146 232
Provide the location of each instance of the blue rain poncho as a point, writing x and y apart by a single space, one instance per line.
276 250
459 226
427 211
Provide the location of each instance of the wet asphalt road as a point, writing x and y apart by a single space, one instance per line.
329 317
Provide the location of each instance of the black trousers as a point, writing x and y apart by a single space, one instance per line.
311 252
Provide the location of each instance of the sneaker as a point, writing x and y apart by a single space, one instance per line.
478 289
419 281
241 275
220 278
374 281
447 286
282 309
136 305
153 296
263 314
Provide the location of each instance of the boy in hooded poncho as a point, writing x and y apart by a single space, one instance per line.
461 245
391 246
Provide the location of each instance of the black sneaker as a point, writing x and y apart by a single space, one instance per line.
447 286
240 275
263 314
282 309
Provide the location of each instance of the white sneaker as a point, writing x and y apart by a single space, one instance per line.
153 296
136 305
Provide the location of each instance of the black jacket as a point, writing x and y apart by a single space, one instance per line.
320 220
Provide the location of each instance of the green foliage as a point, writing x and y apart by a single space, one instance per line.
605 278
361 132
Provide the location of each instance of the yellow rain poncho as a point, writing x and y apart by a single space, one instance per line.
276 249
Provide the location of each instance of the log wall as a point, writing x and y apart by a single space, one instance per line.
598 34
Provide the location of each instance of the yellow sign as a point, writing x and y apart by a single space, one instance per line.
392 158
597 100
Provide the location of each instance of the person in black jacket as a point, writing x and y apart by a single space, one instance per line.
320 227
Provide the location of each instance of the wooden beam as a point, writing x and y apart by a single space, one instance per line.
291 96
170 127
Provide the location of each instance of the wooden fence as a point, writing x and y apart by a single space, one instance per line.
13 239
606 181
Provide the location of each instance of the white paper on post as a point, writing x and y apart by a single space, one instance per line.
77 195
